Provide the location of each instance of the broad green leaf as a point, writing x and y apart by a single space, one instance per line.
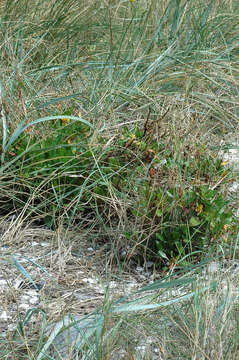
194 221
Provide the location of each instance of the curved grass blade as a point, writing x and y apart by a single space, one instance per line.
21 128
131 306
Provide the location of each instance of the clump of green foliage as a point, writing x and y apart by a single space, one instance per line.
76 175
185 222
179 218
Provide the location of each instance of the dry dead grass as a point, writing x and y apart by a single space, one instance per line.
68 283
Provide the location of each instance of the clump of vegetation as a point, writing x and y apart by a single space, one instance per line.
179 204
76 175
186 222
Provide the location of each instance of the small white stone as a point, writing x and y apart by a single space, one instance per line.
80 272
113 284
11 327
32 292
33 300
24 306
131 285
139 269
90 280
17 284
44 244
3 283
25 298
4 316
141 348
234 187
90 249
213 267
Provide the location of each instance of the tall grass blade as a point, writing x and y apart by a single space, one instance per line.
23 271
3 120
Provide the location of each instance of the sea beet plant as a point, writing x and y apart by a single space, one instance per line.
179 218
187 222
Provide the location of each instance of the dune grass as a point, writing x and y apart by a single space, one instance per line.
112 116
